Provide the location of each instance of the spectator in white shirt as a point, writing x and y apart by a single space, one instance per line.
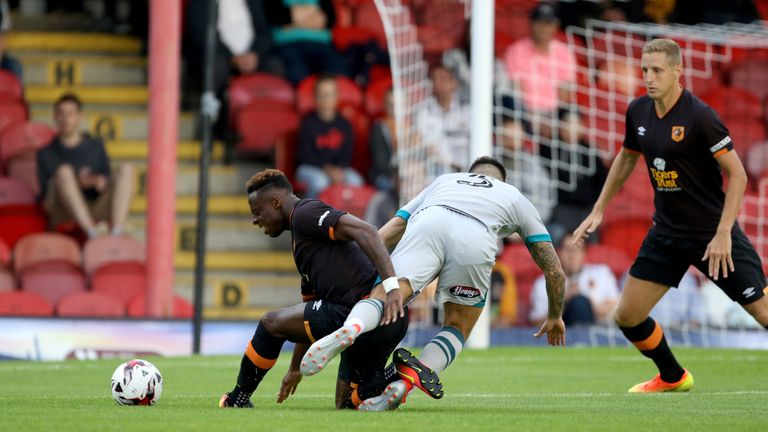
591 290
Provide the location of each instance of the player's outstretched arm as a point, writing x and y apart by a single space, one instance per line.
719 249
392 232
292 378
618 174
544 255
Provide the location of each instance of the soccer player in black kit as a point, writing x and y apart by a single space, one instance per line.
339 258
686 149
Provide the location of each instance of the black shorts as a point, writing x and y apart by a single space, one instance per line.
663 259
370 351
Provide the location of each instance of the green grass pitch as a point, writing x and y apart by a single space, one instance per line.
505 389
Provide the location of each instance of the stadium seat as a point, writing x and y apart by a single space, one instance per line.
11 113
349 94
51 281
353 199
10 87
23 136
111 249
635 200
120 280
7 282
367 16
361 158
751 74
90 305
5 254
17 221
616 259
734 102
18 303
264 88
345 37
518 258
181 307
263 126
374 96
14 191
626 235
745 132
46 249
23 166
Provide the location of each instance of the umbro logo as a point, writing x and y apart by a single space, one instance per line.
749 292
641 131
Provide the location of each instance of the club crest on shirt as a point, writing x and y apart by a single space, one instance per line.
678 133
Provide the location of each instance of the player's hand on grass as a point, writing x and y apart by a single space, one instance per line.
291 381
719 255
587 227
555 330
393 307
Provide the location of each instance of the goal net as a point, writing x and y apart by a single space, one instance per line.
726 66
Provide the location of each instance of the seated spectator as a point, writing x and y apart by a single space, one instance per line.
7 62
591 291
574 202
542 70
383 145
325 144
75 176
443 122
301 30
525 170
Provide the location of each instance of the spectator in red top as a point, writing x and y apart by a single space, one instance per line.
325 143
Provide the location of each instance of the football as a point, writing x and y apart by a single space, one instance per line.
137 382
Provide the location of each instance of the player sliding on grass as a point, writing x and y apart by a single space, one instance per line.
449 231
334 252
685 146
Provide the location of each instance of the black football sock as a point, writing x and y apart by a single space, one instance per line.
649 338
260 355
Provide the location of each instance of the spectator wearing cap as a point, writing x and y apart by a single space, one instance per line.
541 70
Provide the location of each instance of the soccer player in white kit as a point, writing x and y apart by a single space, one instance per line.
449 232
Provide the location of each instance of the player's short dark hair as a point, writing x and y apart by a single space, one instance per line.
268 178
68 97
489 160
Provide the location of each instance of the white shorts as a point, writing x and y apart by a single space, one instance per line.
457 249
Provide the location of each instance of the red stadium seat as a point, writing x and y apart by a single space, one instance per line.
10 87
626 235
181 307
353 199
111 249
367 17
263 126
11 113
361 158
344 37
120 281
616 259
24 136
734 102
23 166
52 281
262 88
635 200
14 191
349 94
5 254
89 304
17 221
745 132
518 258
6 280
46 248
751 74
374 96
18 303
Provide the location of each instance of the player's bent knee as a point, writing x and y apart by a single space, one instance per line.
623 318
270 321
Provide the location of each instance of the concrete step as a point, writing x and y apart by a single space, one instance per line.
225 234
74 43
105 97
64 70
187 204
222 180
120 125
228 294
138 151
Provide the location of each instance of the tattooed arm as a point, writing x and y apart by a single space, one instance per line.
544 255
